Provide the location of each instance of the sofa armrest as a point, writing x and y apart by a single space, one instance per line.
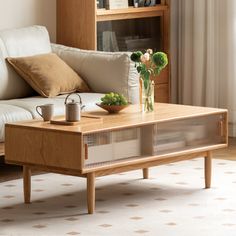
103 71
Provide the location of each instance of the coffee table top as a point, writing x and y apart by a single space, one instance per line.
130 117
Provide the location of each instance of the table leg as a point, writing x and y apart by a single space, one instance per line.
208 167
91 192
145 173
27 183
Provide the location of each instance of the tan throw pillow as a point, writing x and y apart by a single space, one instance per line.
48 74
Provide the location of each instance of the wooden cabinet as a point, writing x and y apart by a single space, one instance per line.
117 143
127 139
81 24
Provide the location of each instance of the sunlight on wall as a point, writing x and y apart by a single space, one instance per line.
15 13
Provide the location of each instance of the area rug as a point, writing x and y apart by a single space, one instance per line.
172 202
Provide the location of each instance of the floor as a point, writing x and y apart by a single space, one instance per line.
166 204
228 153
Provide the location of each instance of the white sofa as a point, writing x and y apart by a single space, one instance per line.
103 71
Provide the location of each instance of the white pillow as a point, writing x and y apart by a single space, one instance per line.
21 42
103 71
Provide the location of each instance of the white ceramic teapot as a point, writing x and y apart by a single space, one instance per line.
73 108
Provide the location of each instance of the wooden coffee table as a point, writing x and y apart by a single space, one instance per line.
106 144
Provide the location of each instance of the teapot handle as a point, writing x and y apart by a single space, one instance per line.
73 94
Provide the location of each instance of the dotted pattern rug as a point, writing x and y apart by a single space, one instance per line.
172 202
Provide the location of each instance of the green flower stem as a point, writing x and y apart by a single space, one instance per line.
148 96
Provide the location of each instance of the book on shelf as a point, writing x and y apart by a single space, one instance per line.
127 135
114 43
135 43
146 3
171 145
101 4
116 4
109 41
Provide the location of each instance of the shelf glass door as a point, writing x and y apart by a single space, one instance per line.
109 147
130 34
191 133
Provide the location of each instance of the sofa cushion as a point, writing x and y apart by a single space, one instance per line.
10 113
48 74
103 71
27 41
30 103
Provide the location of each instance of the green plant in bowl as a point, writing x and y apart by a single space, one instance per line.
113 102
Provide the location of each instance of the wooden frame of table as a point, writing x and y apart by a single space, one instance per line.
61 149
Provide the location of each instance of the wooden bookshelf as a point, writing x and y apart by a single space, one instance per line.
130 13
80 24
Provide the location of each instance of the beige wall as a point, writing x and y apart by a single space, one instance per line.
19 13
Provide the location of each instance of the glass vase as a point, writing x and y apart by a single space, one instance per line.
147 95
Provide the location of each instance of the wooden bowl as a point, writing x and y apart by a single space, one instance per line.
112 108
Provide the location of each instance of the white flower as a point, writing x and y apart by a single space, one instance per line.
147 56
144 58
150 51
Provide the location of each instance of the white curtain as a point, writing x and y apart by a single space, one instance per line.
203 49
